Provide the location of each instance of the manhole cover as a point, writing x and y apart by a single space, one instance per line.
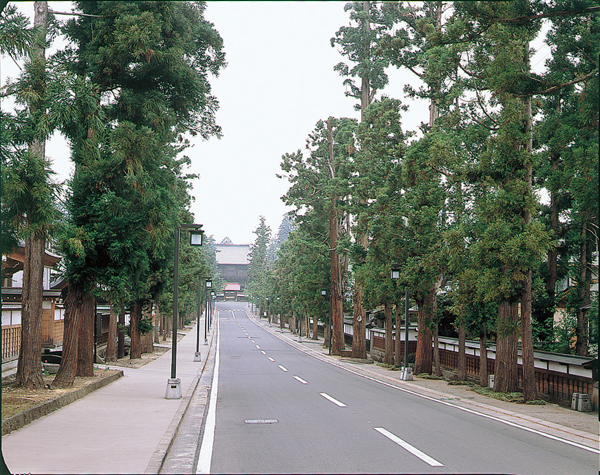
260 421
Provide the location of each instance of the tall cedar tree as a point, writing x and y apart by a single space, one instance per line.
150 62
358 44
382 146
31 196
257 268
320 181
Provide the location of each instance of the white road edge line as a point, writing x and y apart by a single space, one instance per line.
298 378
405 445
333 400
206 449
282 368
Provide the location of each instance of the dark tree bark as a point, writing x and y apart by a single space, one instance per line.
436 352
29 366
424 356
134 332
505 369
68 367
121 335
462 357
389 332
399 333
526 325
315 330
111 345
581 344
85 340
359 326
337 310
483 372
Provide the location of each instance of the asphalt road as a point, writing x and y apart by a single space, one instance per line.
279 410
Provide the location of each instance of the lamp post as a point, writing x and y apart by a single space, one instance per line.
207 284
211 307
208 287
196 238
406 374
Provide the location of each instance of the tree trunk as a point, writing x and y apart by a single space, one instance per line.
337 310
156 322
85 340
359 326
111 344
436 353
29 372
29 366
424 356
134 332
389 331
581 344
505 369
462 357
315 330
121 335
399 334
483 372
68 366
148 339
526 324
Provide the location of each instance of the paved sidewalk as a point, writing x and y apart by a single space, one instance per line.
125 427
552 419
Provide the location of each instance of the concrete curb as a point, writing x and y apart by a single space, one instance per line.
156 463
26 417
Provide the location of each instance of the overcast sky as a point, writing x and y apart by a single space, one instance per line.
278 83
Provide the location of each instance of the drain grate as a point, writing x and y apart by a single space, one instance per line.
261 421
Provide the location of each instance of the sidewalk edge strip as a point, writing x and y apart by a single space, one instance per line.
161 453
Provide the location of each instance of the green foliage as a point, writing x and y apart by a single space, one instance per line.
144 325
142 72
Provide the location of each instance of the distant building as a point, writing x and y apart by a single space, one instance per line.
233 260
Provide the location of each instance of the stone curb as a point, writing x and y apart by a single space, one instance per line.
158 459
26 417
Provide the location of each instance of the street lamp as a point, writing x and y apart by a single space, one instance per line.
208 287
406 374
196 232
207 284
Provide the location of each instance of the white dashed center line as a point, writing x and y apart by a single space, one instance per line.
405 445
282 368
333 400
298 378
